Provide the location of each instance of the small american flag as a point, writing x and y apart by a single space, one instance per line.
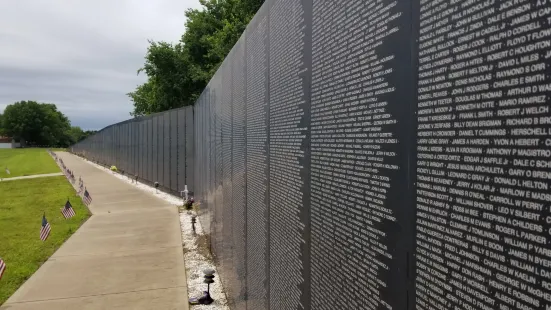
45 230
80 188
87 198
68 211
2 267
7 170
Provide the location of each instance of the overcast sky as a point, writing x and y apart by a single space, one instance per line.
82 55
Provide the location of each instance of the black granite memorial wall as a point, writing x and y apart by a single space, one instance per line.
156 148
368 154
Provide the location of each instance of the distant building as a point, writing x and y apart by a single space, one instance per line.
8 143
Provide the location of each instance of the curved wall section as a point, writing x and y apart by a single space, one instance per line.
368 154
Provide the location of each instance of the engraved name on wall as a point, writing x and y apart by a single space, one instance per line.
286 112
484 155
256 150
354 142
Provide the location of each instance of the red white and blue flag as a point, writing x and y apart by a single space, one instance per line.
45 230
87 198
2 267
68 211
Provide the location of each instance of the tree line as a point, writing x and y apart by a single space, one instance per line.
178 73
39 124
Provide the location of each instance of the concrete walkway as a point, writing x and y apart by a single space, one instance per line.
32 176
128 255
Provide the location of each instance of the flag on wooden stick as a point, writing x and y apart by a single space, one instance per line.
68 211
2 268
45 230
87 198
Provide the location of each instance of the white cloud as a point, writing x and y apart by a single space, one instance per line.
82 55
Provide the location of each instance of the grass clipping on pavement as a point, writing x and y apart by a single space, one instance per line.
23 162
22 205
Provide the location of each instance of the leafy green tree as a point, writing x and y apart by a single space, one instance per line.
77 134
1 125
178 73
167 68
88 133
144 98
36 124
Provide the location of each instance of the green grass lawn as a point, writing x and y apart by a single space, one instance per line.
21 207
23 162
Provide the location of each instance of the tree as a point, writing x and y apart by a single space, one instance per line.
36 124
167 68
144 98
77 134
1 125
88 133
177 74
